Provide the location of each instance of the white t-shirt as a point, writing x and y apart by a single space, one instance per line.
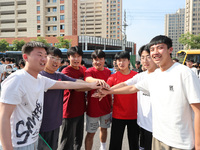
172 92
27 93
144 116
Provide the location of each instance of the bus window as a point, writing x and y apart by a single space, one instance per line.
184 55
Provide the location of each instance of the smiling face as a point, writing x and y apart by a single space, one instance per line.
160 54
75 60
98 63
147 62
36 60
53 63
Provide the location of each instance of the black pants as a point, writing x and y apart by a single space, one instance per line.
71 133
145 139
51 138
117 132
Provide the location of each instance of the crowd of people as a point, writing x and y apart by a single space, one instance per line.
159 103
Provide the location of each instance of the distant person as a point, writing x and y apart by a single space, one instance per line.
21 63
65 63
83 65
137 67
190 63
115 67
175 60
2 69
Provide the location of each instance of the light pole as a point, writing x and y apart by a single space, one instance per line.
83 35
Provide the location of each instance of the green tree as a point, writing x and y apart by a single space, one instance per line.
63 43
41 39
4 45
17 45
191 41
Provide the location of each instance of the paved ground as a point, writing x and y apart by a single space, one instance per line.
96 144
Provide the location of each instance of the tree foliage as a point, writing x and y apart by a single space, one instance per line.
4 45
191 41
41 39
63 43
17 45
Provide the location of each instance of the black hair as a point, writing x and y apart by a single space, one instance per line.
175 59
82 62
190 60
161 39
28 47
74 50
55 52
137 62
123 54
98 54
8 59
12 60
2 59
21 62
144 48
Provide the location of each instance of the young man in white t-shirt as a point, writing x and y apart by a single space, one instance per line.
21 101
174 90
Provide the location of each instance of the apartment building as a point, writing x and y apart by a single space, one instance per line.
101 18
52 18
192 17
174 27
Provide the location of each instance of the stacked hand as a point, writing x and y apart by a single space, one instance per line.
100 93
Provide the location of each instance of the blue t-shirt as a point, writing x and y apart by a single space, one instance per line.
53 103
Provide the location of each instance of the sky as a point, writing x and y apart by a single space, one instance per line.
146 18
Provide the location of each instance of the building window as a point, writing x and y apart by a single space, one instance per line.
62 35
38 8
49 19
54 28
62 17
54 9
38 18
48 1
38 27
38 0
62 27
54 1
48 28
48 9
62 7
55 18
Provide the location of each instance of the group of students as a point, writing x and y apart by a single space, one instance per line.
8 66
164 101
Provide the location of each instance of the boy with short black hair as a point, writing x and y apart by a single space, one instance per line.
22 109
53 100
124 107
174 90
74 105
97 111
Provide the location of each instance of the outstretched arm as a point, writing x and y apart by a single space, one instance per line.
101 82
5 131
75 85
196 109
124 90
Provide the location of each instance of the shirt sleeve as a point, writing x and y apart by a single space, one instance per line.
110 81
67 78
192 88
143 85
132 80
48 83
11 90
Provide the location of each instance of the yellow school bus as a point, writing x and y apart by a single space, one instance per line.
184 55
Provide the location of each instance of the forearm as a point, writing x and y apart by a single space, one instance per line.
91 79
5 133
124 90
70 85
117 86
196 109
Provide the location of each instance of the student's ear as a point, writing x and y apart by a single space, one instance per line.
170 50
25 57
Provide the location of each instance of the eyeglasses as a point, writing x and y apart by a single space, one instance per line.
55 58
